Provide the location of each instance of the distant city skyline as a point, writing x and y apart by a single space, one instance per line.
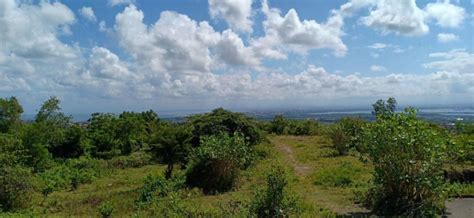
117 55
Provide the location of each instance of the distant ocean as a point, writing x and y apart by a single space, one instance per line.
443 116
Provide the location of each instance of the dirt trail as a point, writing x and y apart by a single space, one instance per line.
460 208
300 169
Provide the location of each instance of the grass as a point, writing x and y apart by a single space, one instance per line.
325 183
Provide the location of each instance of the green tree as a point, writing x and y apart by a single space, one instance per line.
221 121
279 124
10 114
135 129
47 133
102 140
382 108
171 145
408 155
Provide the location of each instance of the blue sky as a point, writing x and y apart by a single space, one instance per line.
183 55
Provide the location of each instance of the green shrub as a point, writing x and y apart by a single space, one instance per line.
16 187
274 201
106 209
155 187
11 151
408 156
135 159
70 174
346 135
215 165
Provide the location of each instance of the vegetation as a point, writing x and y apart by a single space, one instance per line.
274 200
135 164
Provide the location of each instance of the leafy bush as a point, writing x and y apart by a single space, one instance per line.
215 165
135 159
408 156
462 151
278 124
303 127
345 135
106 209
274 201
221 121
281 126
11 151
157 187
16 187
71 174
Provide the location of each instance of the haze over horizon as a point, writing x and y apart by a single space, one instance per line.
117 55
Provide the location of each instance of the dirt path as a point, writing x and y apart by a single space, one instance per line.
460 208
300 169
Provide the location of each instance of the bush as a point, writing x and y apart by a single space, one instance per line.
273 201
221 121
136 159
158 187
70 174
106 209
215 165
346 134
16 187
408 156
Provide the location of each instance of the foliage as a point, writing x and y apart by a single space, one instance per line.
382 108
11 151
282 126
274 201
10 112
171 145
158 187
109 136
102 139
16 187
278 124
345 135
221 121
135 159
215 165
407 156
71 174
134 130
106 209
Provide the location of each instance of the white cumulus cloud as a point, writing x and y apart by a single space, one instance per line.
447 37
88 13
236 13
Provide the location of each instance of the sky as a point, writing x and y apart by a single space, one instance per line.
116 55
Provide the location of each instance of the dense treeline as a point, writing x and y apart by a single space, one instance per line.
211 150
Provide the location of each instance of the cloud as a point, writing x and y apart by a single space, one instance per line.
446 14
120 2
404 17
377 68
88 13
457 60
400 17
447 37
236 13
288 32
379 46
32 57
